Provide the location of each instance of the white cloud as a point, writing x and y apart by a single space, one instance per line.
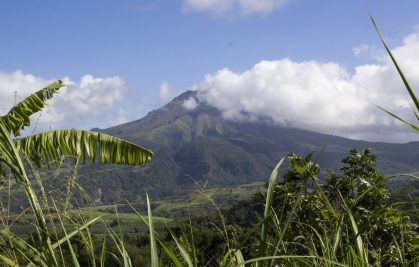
260 6
166 93
190 103
93 95
319 96
124 115
217 7
17 84
361 49
85 104
233 7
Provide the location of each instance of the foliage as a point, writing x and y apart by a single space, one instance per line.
358 191
16 157
348 220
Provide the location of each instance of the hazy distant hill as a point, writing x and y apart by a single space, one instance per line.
198 145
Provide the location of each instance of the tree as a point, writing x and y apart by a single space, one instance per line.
363 189
314 217
45 147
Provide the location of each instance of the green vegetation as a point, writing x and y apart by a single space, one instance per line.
347 220
17 158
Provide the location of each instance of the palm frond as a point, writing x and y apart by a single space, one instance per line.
46 147
18 116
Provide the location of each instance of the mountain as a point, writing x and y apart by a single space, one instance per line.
199 146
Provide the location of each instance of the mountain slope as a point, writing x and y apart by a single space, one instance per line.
200 146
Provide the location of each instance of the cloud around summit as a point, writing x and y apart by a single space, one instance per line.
321 96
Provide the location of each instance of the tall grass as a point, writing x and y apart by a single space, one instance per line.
335 241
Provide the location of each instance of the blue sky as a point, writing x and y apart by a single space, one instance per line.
141 53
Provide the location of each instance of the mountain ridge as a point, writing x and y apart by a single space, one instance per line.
198 145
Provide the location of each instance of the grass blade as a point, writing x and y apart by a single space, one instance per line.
25 249
359 242
182 251
102 255
8 261
153 246
400 119
268 204
239 258
406 83
70 235
260 259
195 259
165 247
288 219
226 257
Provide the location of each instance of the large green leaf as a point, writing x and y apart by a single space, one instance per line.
45 147
18 116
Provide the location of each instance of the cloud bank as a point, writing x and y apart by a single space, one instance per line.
233 7
90 102
321 96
